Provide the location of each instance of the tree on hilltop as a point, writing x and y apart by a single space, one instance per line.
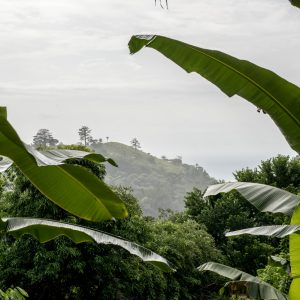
85 134
135 143
43 139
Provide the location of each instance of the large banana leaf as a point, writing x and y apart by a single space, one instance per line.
294 292
56 157
266 90
263 197
278 231
71 187
255 288
227 272
59 156
46 230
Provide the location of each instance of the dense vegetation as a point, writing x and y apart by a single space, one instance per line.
63 270
231 212
58 269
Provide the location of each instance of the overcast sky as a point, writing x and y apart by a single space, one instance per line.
65 63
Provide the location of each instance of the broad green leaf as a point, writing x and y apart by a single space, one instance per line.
295 3
46 230
263 88
294 292
71 187
256 288
278 231
263 197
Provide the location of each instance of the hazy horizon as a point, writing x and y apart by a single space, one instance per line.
66 63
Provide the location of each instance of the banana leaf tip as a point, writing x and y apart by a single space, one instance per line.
137 42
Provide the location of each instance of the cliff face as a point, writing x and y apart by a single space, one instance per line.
157 183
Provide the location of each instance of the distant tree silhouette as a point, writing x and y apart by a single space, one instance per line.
43 139
85 134
92 141
135 143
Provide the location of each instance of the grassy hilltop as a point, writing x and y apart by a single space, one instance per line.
157 183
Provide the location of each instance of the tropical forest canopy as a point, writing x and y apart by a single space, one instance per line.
58 269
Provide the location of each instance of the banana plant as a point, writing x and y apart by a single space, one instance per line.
243 284
269 92
271 199
71 187
45 230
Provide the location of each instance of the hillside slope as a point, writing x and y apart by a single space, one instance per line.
157 183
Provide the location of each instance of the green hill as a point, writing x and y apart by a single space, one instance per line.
157 183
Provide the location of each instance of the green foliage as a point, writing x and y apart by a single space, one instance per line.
186 244
97 169
13 294
280 171
279 231
45 230
276 276
243 284
227 213
271 94
230 212
61 263
71 187
58 269
75 147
